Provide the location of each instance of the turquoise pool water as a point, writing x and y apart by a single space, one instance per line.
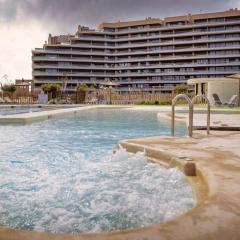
18 110
60 175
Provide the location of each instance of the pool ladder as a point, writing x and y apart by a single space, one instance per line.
190 111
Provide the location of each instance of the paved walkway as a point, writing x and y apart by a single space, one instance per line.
217 157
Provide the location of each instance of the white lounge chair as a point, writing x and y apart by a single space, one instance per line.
8 100
92 101
232 101
1 100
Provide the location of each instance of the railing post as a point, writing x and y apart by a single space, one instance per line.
208 109
173 119
190 117
190 113
208 118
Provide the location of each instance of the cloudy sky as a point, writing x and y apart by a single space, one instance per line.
25 24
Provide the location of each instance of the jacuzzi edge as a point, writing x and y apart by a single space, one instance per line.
198 182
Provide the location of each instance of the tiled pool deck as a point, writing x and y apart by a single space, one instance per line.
216 187
217 159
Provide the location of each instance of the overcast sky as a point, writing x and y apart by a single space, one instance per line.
25 24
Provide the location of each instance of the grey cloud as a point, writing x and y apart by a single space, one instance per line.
65 15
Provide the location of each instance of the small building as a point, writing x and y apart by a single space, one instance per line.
224 87
24 86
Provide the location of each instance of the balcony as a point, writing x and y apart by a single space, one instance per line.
71 74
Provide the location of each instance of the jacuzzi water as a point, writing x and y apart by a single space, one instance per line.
60 175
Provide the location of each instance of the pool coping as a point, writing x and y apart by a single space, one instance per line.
217 214
25 118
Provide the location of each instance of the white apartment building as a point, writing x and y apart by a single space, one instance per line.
151 55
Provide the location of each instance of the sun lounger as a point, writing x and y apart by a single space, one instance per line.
64 101
1 100
216 99
232 101
52 101
92 101
8 100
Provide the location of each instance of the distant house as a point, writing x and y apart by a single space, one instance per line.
24 86
224 87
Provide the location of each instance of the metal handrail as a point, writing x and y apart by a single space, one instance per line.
190 105
208 109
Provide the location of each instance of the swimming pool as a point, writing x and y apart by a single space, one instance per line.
60 175
18 110
12 110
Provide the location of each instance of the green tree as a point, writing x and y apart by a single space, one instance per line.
82 88
11 88
182 88
51 88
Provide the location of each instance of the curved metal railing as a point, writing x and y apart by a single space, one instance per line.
190 113
208 108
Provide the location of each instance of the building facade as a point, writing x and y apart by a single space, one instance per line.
224 87
150 55
24 86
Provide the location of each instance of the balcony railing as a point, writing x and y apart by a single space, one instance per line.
109 38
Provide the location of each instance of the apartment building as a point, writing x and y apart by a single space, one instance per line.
151 55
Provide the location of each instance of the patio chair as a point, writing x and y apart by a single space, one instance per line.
1 100
53 101
91 101
61 101
232 101
8 100
216 99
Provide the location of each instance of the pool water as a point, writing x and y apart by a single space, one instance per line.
18 110
60 175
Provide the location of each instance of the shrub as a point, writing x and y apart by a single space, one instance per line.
182 88
166 102
9 88
82 88
51 88
162 102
